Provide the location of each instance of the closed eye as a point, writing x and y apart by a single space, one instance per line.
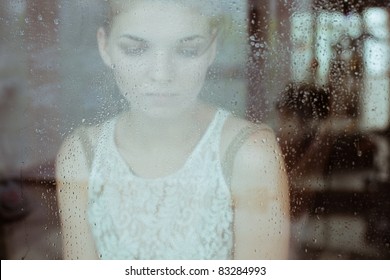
190 52
133 46
134 50
194 46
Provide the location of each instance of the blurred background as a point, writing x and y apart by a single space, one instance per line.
316 71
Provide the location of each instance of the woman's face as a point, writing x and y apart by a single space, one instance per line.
160 53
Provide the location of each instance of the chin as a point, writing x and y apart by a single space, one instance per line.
164 113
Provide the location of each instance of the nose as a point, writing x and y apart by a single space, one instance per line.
162 68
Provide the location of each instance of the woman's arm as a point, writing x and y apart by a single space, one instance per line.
72 182
261 199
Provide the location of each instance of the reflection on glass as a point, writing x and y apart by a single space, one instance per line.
376 97
317 72
377 22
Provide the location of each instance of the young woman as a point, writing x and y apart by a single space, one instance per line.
170 177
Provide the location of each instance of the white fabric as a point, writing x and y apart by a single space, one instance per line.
186 215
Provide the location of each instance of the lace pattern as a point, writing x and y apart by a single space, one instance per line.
186 215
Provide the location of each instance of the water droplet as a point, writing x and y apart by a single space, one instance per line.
40 17
56 21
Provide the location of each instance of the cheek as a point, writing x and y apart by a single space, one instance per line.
127 75
194 73
186 73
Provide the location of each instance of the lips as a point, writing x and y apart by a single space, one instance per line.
162 95
162 99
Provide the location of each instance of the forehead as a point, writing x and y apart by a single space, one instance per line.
161 18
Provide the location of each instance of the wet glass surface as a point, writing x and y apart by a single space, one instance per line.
316 72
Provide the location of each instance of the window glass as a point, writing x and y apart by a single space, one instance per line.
126 125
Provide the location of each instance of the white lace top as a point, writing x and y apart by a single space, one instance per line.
186 215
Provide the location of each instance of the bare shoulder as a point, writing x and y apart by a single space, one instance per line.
259 136
72 175
259 193
71 161
258 162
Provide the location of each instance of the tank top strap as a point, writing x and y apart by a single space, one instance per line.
100 154
215 129
106 133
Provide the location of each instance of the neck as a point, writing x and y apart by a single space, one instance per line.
156 132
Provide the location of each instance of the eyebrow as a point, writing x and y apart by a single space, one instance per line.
138 39
134 38
191 38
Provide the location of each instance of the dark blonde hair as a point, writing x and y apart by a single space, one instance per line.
213 9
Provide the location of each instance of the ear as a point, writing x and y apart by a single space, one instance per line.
102 40
213 49
213 52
